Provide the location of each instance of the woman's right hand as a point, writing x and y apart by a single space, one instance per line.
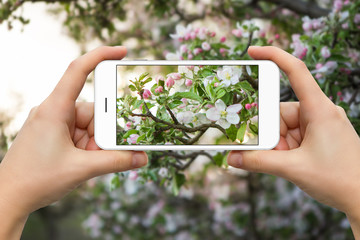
319 150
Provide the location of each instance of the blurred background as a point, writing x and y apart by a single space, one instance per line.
187 195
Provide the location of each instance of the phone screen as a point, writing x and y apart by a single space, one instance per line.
186 105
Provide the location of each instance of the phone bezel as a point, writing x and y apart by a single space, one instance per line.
106 88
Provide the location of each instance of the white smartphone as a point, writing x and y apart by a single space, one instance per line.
187 105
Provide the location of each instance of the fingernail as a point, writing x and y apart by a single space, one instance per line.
139 160
235 160
255 47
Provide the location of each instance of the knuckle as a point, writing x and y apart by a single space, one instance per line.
32 111
74 64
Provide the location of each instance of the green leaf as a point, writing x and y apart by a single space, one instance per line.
142 76
128 133
231 132
178 180
189 95
174 104
246 86
210 91
206 72
115 183
132 88
254 128
220 93
149 79
137 103
241 132
218 159
142 137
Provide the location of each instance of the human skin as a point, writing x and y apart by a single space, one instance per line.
55 150
319 150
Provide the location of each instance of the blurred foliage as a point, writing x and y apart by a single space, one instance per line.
214 203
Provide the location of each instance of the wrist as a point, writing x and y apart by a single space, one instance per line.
11 218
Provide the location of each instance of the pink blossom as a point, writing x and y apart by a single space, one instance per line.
192 35
190 56
262 33
183 48
300 49
132 139
169 82
176 76
236 32
319 65
158 78
188 82
247 106
216 84
146 94
270 41
222 50
346 2
345 25
325 52
133 175
223 39
339 93
357 18
190 67
208 106
277 36
159 89
254 104
128 125
212 34
338 5
197 51
318 76
317 23
206 46
303 53
307 26
187 36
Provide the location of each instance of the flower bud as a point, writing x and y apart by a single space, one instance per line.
159 89
146 94
247 106
169 82
188 82
223 39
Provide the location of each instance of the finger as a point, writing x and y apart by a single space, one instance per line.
283 144
101 162
301 80
84 114
290 114
91 144
279 163
70 85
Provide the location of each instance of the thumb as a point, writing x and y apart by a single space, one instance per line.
275 162
102 162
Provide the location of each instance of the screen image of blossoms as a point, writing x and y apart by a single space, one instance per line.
186 105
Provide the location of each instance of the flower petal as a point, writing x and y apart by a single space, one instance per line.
248 69
223 123
220 105
213 114
235 108
233 118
